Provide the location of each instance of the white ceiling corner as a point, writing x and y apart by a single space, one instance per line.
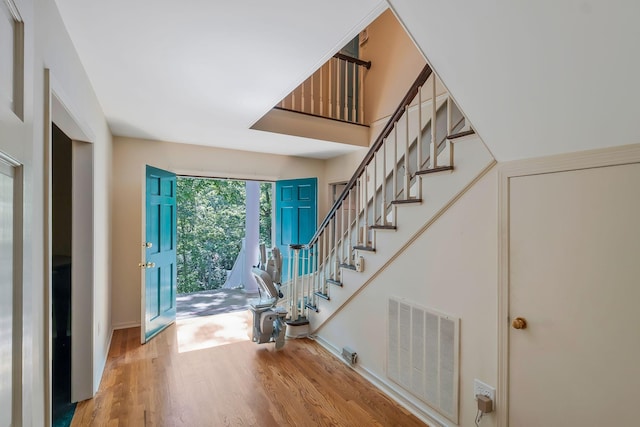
203 72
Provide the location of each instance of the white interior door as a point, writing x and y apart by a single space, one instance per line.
574 276
6 294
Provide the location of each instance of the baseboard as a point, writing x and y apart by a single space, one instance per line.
104 364
396 394
125 325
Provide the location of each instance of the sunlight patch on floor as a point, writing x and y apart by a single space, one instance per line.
198 333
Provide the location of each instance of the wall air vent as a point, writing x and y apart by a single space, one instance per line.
423 354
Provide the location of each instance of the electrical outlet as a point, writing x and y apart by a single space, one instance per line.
483 389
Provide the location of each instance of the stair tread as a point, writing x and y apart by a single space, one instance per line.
312 307
298 322
349 266
334 282
434 170
365 248
323 296
461 134
383 227
405 201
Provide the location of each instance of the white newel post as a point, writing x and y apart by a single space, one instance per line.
252 236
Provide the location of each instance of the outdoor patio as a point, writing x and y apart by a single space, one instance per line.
207 303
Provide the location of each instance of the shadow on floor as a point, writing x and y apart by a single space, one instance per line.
207 303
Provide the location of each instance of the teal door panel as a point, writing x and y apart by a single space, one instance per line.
160 231
296 215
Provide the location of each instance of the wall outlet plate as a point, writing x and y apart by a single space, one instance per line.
485 390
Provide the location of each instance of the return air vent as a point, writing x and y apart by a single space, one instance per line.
423 353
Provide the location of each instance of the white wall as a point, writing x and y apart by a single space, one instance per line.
130 157
395 64
450 268
47 45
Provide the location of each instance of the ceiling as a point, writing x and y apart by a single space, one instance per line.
203 72
536 78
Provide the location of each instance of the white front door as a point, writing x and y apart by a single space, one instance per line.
574 276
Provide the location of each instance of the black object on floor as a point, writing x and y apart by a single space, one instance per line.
62 407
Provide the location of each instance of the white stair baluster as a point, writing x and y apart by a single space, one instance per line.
434 143
336 261
375 189
338 83
353 94
361 92
395 172
303 107
313 100
407 174
293 100
331 87
317 257
350 245
321 90
358 200
449 130
346 91
383 202
324 261
342 233
307 293
419 145
365 201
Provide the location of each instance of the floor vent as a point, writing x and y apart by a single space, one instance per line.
423 354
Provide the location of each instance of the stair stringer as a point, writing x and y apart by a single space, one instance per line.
439 191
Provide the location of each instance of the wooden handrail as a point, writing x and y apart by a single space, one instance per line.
413 91
349 58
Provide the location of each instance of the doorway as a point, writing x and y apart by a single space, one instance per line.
80 322
61 261
212 249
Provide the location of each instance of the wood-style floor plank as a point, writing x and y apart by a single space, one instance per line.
168 382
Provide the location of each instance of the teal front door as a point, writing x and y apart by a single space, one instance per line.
160 252
296 214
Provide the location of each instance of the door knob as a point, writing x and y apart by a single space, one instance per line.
147 265
147 245
519 323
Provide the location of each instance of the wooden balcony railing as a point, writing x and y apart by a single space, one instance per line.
335 91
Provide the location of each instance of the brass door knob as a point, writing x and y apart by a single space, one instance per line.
147 265
519 323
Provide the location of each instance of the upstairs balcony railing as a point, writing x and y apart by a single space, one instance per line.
335 91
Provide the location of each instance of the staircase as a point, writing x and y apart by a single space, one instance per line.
423 161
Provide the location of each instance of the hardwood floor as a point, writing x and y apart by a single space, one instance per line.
168 383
